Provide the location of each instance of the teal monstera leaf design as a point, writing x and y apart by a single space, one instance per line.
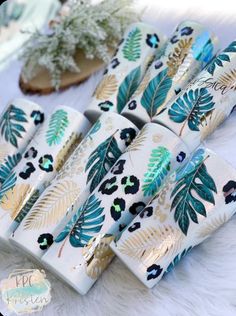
132 46
84 224
6 167
57 126
11 124
156 92
193 184
191 108
101 160
128 87
158 168
223 57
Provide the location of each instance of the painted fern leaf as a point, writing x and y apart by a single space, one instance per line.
11 124
158 168
87 222
57 125
215 223
151 243
27 207
14 199
177 259
106 88
101 160
191 108
128 87
228 79
6 167
186 204
139 141
132 46
156 92
177 58
220 59
53 205
8 184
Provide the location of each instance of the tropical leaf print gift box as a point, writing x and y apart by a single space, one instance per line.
205 103
41 161
198 199
78 177
80 251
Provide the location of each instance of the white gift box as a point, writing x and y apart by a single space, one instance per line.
135 53
205 103
80 175
199 199
42 159
80 251
19 122
187 52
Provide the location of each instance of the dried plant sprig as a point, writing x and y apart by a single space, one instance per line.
92 28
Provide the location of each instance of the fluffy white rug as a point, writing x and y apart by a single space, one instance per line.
204 283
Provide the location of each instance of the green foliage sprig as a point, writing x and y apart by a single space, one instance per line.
92 28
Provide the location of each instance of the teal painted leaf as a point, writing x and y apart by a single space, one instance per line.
193 161
128 87
101 160
202 48
57 126
84 224
177 259
186 205
191 108
8 184
27 207
158 168
95 128
223 57
11 124
156 92
6 167
132 46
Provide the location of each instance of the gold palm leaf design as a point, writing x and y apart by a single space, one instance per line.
211 122
76 163
139 141
70 145
143 84
53 205
176 58
229 79
214 224
152 243
106 88
98 255
15 198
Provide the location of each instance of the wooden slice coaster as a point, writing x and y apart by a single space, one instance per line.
41 83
